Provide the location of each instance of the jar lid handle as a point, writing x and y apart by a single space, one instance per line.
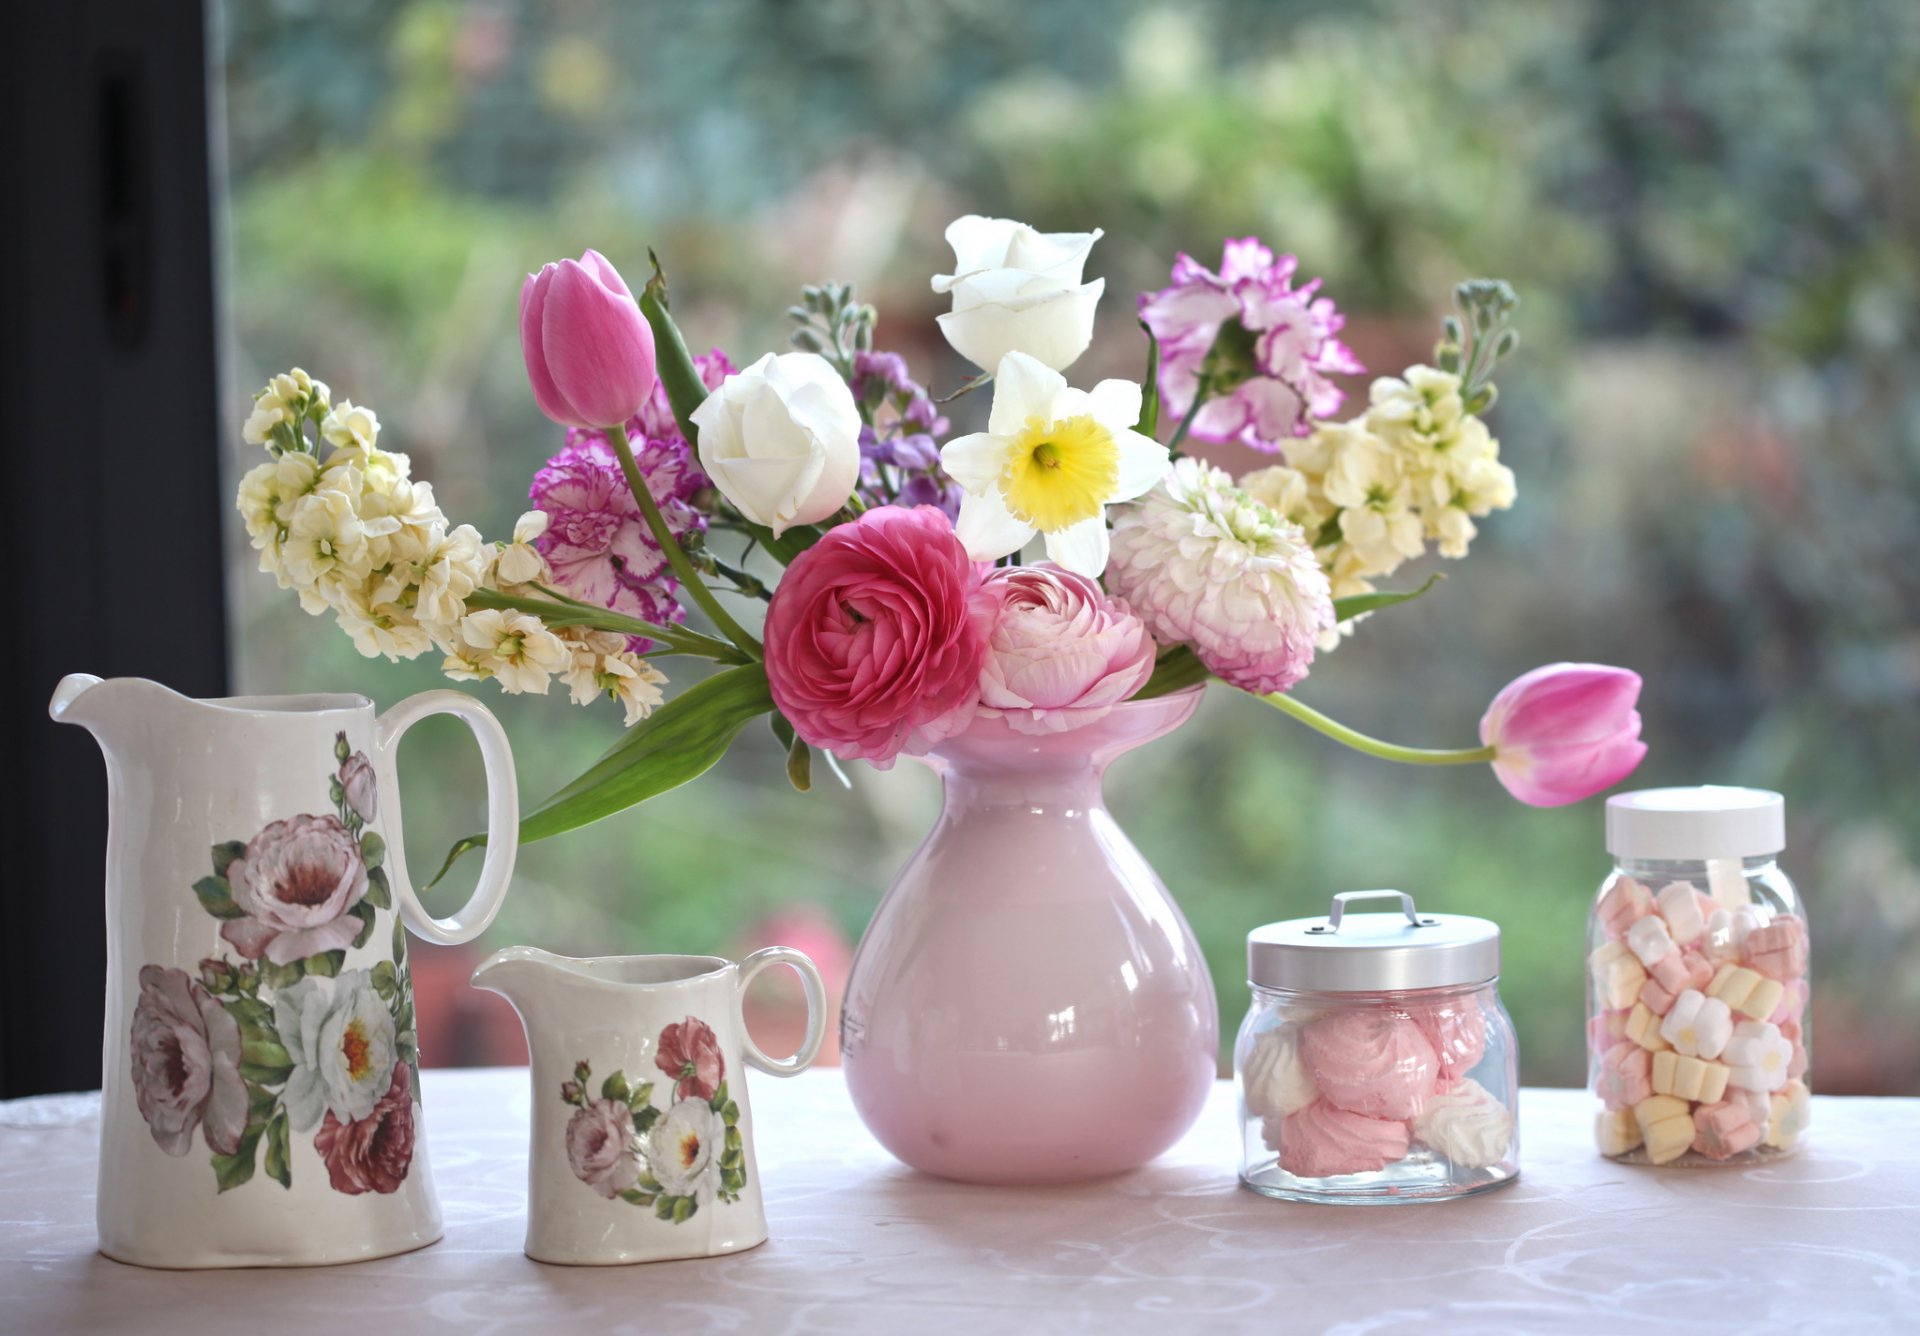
1339 908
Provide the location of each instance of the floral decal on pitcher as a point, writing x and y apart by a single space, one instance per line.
621 1145
282 1039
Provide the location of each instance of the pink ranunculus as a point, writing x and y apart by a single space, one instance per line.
1062 653
876 633
357 780
600 1147
186 1064
296 881
589 350
1564 732
691 1055
371 1154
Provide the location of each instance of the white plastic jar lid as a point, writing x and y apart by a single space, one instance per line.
1709 821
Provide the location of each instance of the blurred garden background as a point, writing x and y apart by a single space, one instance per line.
1711 213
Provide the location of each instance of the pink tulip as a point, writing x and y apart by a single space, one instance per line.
589 350
1564 732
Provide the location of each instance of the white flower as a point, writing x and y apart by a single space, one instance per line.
514 647
1376 516
284 399
682 1145
1291 494
1481 486
520 561
266 500
446 566
382 629
781 440
1422 408
347 426
602 666
325 541
340 1036
1018 290
1050 461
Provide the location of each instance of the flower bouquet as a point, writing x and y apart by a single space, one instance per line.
891 555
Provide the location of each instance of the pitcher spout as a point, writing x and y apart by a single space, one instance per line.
515 971
100 706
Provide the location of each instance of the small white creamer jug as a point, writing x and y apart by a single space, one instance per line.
261 1083
642 1130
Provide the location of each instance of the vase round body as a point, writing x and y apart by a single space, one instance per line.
1028 1004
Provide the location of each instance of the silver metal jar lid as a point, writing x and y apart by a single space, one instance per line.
1363 953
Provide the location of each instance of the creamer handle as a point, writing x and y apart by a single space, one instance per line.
816 1010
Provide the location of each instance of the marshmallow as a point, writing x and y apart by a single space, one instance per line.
1722 1131
1789 1113
1688 1078
1666 1125
1727 933
1697 1026
1679 904
1745 991
1643 1028
1624 1077
1650 940
1656 997
1779 950
1681 970
1606 1028
1759 1056
1617 976
1616 1132
1793 1002
1623 903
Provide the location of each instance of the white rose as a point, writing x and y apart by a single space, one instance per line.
781 440
681 1147
1018 290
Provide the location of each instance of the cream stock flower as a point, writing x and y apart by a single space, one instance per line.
446 566
325 540
516 648
520 562
1377 522
602 666
266 499
347 426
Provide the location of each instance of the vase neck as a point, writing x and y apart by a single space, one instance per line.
1048 785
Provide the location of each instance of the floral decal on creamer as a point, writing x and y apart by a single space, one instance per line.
283 1039
624 1147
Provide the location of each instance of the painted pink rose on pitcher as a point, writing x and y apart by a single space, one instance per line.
296 881
600 1147
186 1064
690 1054
372 1154
358 784
1062 653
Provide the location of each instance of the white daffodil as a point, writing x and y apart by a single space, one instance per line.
1051 460
1018 290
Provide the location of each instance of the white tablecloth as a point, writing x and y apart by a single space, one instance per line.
1827 1241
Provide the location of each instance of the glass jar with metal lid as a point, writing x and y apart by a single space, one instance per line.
1376 1063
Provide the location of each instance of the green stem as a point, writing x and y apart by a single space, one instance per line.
562 611
1200 391
682 568
1360 742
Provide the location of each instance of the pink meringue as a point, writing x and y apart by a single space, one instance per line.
1322 1141
1458 1032
1372 1062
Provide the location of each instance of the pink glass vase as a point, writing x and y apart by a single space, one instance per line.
1028 1004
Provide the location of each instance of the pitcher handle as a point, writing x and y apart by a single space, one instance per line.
503 814
816 1010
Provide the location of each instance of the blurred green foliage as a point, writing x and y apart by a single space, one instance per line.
1709 210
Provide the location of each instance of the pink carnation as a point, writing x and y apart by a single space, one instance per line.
876 633
1062 653
1271 345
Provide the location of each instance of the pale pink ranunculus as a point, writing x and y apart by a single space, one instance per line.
600 1147
1062 653
358 782
690 1054
1564 732
374 1153
296 881
186 1064
876 633
589 350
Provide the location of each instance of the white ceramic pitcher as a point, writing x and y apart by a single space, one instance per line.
642 1131
261 1083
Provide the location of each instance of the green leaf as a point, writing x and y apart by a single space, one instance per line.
730 1114
224 854
663 1207
645 1118
678 742
1149 423
678 375
251 1013
800 766
719 1100
615 1088
1175 670
789 544
230 1171
277 1168
683 1209
263 1061
281 976
379 894
647 1182
386 981
403 1015
364 912
1346 609
407 1044
637 1197
327 964
216 897
733 1179
399 941
641 1097
373 850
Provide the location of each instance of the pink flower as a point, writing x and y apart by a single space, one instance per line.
1265 346
691 1055
186 1064
1564 732
296 881
371 1154
876 633
357 781
600 1147
589 350
1062 653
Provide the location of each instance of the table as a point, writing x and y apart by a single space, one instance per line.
1827 1241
